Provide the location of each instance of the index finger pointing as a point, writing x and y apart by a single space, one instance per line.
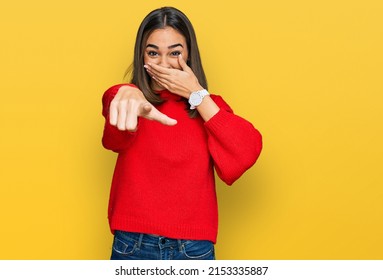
156 115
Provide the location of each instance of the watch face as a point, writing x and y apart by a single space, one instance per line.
195 99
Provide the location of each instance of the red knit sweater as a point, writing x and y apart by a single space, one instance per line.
163 181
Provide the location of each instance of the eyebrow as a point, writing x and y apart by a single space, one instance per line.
170 47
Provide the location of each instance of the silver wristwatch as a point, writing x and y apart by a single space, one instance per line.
196 98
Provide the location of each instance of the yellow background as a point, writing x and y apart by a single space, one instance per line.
307 74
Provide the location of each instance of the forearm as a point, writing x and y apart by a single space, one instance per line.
234 145
208 108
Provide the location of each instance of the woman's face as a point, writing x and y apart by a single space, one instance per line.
163 48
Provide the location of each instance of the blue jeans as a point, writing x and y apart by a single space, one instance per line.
138 246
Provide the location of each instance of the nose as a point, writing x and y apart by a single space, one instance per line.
165 62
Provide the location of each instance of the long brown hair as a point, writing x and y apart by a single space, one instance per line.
159 19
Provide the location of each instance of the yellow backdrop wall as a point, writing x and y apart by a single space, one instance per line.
308 74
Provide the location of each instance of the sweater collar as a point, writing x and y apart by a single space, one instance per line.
167 95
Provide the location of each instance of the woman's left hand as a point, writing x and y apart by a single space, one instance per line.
179 81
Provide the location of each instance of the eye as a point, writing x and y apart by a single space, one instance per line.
175 53
152 53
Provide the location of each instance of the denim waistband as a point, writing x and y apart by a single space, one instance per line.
151 239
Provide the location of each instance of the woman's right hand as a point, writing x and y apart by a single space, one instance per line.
129 104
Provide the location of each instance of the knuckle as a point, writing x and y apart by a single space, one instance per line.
122 104
131 128
120 127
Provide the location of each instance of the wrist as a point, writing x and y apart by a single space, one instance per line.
196 98
194 89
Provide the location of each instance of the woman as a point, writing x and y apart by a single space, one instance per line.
170 134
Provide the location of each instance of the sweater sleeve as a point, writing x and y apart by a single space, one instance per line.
234 143
112 138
